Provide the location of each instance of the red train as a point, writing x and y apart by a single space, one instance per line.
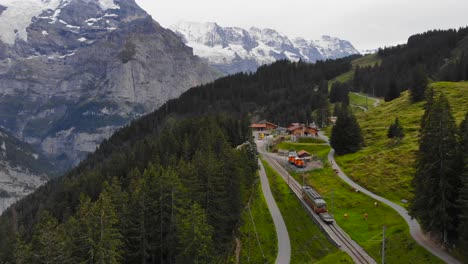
293 159
317 203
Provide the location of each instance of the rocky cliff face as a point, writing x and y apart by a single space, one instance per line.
74 71
233 49
22 170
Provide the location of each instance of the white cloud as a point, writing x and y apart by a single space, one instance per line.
366 23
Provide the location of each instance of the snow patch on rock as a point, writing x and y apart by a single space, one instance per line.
17 17
226 46
19 14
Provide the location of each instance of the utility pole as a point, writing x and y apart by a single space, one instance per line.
383 246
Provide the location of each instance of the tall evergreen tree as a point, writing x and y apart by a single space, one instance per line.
418 84
23 252
94 233
49 243
106 237
322 114
195 236
437 180
395 130
346 135
393 91
463 225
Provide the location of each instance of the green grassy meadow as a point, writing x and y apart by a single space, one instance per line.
308 243
386 166
251 252
367 233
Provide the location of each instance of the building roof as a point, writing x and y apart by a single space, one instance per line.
303 153
258 125
293 128
293 125
263 124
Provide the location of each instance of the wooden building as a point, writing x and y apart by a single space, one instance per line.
303 154
263 126
303 130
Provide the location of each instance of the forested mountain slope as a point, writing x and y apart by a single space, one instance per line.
441 54
168 173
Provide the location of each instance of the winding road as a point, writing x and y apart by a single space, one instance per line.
376 100
284 244
415 229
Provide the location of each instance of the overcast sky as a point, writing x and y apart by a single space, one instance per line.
368 24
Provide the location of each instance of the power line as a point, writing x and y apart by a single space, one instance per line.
256 234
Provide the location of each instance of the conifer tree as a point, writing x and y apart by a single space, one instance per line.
336 109
94 233
463 225
195 237
346 135
322 114
393 92
395 130
437 180
418 84
49 243
23 252
106 239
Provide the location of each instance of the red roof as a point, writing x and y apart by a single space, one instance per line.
258 126
303 153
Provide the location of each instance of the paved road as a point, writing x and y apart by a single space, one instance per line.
284 244
376 100
415 228
361 107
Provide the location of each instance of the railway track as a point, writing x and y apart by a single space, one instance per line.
335 234
357 252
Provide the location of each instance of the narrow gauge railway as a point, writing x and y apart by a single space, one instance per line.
336 235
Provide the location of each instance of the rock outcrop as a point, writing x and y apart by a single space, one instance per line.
74 71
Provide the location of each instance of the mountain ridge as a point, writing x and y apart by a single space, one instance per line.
234 49
85 68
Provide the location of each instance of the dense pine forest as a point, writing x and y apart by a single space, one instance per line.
169 187
439 54
175 196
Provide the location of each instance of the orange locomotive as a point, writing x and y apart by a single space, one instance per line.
300 163
292 157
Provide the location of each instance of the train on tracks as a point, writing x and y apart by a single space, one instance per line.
293 159
317 203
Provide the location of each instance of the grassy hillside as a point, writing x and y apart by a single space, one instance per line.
308 243
385 166
367 233
354 99
369 60
259 214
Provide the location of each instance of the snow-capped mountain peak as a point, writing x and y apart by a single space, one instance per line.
233 49
17 15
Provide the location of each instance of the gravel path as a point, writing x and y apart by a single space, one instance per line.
284 244
415 228
376 100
